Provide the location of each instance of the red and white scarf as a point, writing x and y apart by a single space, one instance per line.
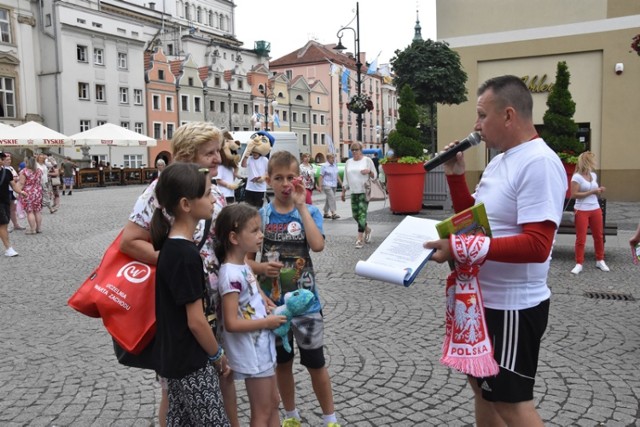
467 347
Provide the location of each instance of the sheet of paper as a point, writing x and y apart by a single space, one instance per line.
401 254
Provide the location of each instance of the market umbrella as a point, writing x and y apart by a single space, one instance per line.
110 134
33 134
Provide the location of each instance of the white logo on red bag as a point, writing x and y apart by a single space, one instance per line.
135 272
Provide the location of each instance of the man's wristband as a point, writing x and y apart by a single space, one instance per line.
217 356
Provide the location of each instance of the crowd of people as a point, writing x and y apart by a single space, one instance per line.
225 267
25 193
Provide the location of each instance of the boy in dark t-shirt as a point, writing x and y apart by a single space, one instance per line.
291 228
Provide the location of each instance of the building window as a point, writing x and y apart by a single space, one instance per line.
7 97
138 127
81 53
315 119
240 84
284 116
124 95
98 56
235 108
122 60
47 20
124 125
212 105
160 74
315 139
137 96
222 107
157 130
295 117
155 101
170 130
133 160
184 102
100 93
304 117
85 125
321 119
170 49
245 109
190 81
101 122
216 81
197 104
83 91
304 139
169 103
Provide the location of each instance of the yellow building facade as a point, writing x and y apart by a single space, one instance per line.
528 39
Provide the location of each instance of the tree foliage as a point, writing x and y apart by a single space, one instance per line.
405 139
560 130
432 70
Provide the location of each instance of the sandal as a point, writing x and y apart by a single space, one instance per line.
29 232
335 216
359 244
326 216
367 235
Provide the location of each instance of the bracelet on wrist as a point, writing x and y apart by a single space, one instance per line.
216 357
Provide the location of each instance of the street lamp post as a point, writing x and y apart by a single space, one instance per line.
341 47
268 97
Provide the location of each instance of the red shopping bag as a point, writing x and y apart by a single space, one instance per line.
122 292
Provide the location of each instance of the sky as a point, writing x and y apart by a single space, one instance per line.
382 29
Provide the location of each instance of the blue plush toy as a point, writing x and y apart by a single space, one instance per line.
296 303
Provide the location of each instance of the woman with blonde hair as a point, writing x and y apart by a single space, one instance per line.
200 143
357 171
586 191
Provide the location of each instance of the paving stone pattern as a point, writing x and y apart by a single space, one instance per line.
383 342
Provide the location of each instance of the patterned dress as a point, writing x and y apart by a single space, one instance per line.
32 202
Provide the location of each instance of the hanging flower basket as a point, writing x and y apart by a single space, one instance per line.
635 45
359 104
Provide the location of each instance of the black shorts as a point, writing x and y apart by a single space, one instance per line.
516 336
309 332
5 214
254 198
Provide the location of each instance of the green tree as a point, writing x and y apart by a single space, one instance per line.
434 73
405 139
560 130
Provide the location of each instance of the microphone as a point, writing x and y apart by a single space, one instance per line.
473 139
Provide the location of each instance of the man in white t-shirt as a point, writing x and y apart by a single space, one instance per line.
523 191
256 187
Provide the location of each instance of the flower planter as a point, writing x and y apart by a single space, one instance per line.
570 169
405 186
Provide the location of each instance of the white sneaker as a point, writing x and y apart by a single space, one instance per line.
10 252
577 269
602 266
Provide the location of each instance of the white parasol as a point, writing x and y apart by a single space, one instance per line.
32 134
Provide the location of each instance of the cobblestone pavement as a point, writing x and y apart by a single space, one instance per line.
382 341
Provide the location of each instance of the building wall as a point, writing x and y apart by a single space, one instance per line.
603 98
163 88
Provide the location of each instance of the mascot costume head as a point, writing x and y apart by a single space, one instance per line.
260 143
230 151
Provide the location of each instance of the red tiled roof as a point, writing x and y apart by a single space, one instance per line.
203 72
176 67
313 53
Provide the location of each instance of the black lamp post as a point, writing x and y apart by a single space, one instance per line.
341 47
268 97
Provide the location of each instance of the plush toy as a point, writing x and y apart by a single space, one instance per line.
296 303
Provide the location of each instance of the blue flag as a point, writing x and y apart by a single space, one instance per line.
345 80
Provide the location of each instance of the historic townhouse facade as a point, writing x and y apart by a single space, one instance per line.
74 64
162 106
18 63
